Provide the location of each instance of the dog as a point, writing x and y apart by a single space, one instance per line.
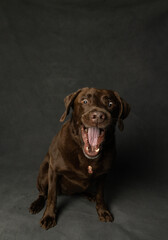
82 153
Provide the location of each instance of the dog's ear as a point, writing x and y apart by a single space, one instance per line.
124 111
68 101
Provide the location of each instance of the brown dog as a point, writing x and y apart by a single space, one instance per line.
82 153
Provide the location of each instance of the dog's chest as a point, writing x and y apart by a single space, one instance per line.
72 183
93 167
81 173
78 179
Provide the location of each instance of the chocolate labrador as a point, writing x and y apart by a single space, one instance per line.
82 153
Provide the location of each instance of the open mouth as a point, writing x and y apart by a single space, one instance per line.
92 138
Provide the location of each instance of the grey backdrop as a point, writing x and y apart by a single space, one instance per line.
49 49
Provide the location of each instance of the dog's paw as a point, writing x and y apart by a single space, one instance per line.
37 205
105 215
48 222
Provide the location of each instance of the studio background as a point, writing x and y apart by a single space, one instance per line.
49 49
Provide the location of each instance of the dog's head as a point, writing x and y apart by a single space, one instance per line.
95 113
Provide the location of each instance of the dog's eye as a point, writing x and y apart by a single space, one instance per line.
110 104
85 101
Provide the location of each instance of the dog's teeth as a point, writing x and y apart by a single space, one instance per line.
101 131
87 148
86 130
97 150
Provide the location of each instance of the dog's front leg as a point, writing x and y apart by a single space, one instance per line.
49 217
103 212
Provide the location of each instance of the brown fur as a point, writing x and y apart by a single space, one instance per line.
65 167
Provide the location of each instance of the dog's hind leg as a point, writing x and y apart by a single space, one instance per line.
42 186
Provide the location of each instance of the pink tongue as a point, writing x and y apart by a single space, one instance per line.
93 134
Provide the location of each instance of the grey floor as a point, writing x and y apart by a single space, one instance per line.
49 49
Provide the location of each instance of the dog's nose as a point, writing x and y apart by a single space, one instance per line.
97 116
